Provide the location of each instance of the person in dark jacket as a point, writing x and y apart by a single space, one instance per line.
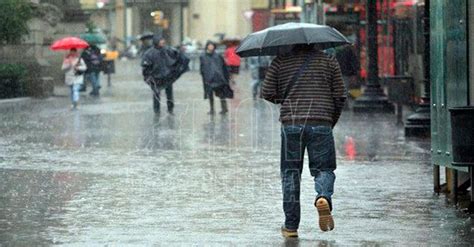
146 43
258 67
349 64
159 71
93 59
308 85
215 77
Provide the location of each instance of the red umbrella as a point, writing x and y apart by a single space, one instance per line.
69 43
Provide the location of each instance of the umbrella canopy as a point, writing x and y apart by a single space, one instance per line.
231 41
69 43
146 35
94 38
279 39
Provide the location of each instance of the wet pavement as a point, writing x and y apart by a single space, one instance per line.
112 173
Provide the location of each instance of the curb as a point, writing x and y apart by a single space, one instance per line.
14 100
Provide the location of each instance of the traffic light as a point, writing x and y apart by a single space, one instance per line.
158 19
157 16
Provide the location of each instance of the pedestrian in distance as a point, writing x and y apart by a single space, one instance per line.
145 45
349 64
258 67
215 77
161 66
93 59
309 87
232 61
74 67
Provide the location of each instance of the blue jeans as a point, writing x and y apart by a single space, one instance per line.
93 77
75 92
319 141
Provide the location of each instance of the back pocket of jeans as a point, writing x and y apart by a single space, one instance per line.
293 129
324 130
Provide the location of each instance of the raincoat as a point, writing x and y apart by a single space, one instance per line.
93 59
157 62
215 75
72 65
163 65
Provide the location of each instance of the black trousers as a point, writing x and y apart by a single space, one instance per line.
210 95
157 99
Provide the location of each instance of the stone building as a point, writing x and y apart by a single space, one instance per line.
175 19
52 19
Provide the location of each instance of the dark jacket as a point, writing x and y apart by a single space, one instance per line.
215 76
347 61
143 49
163 65
93 59
317 96
213 69
158 63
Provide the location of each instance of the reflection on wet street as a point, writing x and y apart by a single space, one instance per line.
112 173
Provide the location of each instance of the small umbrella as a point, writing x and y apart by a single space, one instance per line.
275 40
93 38
69 43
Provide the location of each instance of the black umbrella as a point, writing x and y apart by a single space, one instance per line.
147 35
279 39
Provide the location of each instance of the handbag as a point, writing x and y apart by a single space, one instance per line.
78 72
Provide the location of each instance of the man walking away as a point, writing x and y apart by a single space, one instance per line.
158 70
93 59
309 86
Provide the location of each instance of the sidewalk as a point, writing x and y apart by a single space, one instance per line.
112 173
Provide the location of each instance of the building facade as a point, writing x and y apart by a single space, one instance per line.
206 18
176 20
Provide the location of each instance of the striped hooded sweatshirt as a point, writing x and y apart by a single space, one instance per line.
317 97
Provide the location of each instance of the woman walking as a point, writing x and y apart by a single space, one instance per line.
215 77
74 68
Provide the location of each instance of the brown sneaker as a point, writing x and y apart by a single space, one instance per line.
287 233
326 222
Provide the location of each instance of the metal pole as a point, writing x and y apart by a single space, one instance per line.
373 75
426 52
374 98
436 179
399 114
181 17
303 11
125 23
454 185
320 13
471 174
419 123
